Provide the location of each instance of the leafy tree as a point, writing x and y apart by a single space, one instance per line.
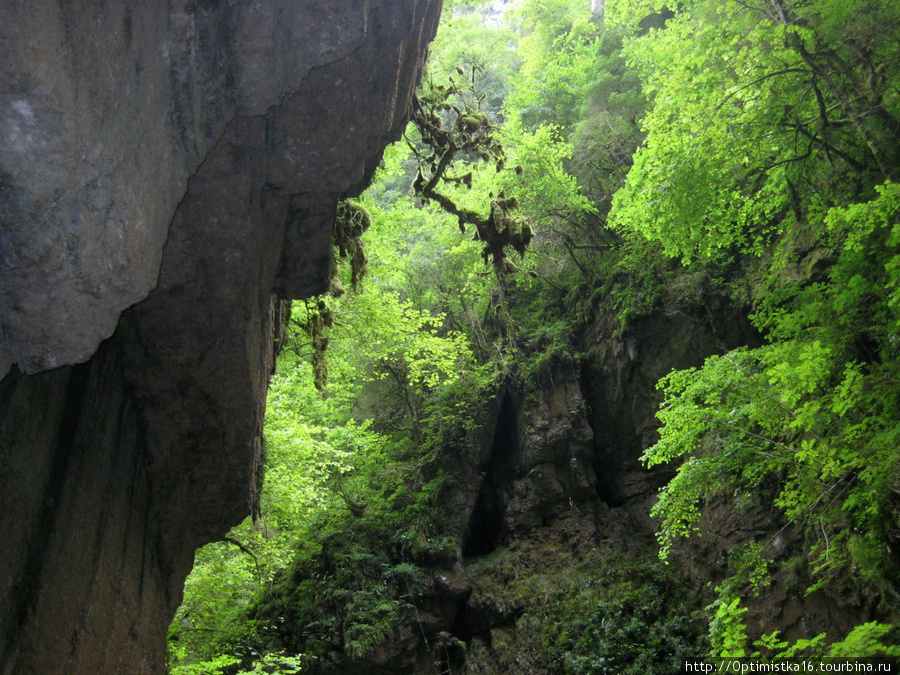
558 48
758 124
451 124
815 407
771 132
486 51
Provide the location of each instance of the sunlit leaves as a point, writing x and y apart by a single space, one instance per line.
816 410
545 189
713 172
396 332
559 49
745 135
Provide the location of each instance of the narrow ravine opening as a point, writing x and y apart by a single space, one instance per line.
486 527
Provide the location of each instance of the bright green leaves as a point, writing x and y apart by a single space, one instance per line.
715 170
789 412
771 130
745 137
216 594
631 13
872 239
792 423
397 335
369 455
486 51
729 638
728 631
559 50
817 409
574 80
852 305
546 191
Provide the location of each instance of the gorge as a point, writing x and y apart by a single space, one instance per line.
596 370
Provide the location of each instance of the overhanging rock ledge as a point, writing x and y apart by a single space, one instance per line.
168 170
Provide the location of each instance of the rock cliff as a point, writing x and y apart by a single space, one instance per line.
560 544
168 172
558 569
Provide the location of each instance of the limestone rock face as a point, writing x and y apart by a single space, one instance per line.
539 465
164 167
108 108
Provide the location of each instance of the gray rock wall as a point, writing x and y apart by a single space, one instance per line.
108 108
164 167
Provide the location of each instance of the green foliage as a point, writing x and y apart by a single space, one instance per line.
729 639
769 166
728 633
557 48
487 52
348 597
212 667
574 79
276 662
609 132
868 639
756 125
452 126
641 629
349 507
356 462
816 409
771 130
546 192
217 593
572 126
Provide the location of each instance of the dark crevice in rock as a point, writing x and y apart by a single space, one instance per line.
486 527
605 472
461 627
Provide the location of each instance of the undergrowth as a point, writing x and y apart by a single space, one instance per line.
583 615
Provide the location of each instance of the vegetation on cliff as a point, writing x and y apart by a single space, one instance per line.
772 145
658 161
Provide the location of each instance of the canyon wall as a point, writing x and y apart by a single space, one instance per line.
168 172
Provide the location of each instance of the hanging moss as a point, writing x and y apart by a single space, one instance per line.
319 318
352 220
505 229
463 134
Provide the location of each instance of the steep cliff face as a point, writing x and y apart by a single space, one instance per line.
187 157
568 449
550 505
109 108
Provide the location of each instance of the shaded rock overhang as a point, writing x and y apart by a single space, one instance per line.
168 171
